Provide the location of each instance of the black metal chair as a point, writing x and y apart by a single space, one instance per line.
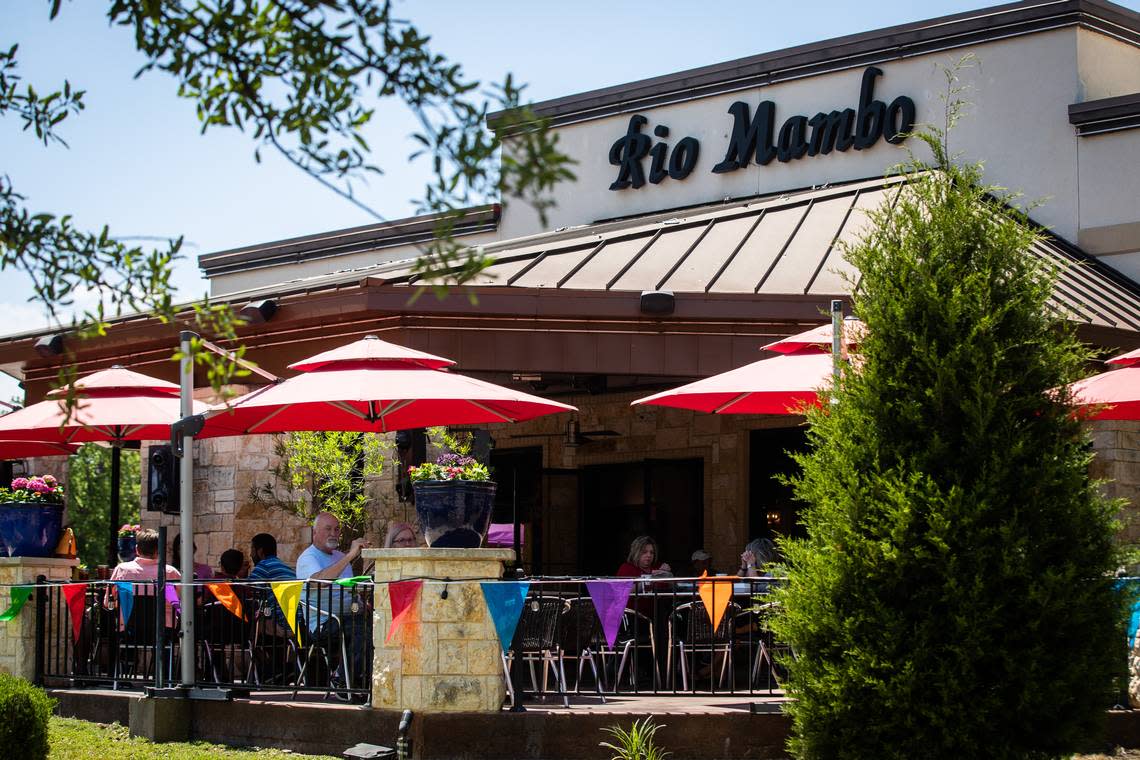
581 638
537 636
134 657
636 633
691 633
226 641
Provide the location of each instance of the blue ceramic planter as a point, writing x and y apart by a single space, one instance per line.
455 514
29 529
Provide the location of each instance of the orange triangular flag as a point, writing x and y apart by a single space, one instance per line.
224 593
402 595
716 599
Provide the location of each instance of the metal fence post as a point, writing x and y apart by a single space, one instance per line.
41 632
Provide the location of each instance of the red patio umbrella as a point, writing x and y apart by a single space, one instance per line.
818 339
1126 360
770 386
25 449
374 386
1112 395
112 406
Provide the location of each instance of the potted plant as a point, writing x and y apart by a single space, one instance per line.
31 517
127 541
454 496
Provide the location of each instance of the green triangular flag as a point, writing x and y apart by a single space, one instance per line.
351 582
20 596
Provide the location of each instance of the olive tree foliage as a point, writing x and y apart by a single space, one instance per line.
319 471
954 594
301 78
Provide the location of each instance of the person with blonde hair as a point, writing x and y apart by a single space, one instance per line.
401 535
643 560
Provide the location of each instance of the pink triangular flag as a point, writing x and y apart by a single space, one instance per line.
402 596
610 598
76 596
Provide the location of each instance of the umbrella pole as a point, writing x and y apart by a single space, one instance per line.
836 339
116 477
186 502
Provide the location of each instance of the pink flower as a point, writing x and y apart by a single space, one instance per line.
50 480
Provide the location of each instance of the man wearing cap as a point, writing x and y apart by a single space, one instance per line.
702 563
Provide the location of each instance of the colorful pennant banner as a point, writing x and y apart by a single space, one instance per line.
610 598
288 595
126 599
224 593
172 596
505 603
76 596
20 596
402 595
716 596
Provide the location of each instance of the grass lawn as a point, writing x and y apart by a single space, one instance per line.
79 740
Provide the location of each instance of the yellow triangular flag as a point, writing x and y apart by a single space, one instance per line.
288 595
715 599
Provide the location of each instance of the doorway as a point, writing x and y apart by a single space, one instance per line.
772 508
656 497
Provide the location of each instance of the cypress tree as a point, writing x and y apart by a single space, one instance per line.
953 597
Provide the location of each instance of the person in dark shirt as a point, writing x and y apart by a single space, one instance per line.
267 567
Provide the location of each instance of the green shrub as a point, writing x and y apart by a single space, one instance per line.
953 597
24 714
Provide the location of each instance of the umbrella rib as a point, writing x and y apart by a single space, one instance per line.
489 410
720 409
267 417
344 406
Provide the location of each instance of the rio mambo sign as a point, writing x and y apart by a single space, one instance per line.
756 138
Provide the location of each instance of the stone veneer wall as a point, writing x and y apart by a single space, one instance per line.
227 470
18 637
1117 460
447 656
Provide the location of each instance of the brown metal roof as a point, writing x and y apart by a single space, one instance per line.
788 245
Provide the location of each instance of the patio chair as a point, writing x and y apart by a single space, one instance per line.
537 636
767 647
636 633
322 649
274 647
134 657
580 637
226 640
691 633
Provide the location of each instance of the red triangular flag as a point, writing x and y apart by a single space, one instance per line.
76 596
224 593
402 596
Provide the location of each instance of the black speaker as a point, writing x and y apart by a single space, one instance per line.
162 480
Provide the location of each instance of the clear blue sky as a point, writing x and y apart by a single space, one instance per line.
138 163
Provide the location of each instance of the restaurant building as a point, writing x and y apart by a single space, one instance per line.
707 219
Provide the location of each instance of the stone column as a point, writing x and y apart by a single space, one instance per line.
18 637
447 657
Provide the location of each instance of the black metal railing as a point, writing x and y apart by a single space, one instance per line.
664 640
243 640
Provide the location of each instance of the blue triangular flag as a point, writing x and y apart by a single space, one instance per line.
505 603
126 599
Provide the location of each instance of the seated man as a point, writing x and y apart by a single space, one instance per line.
144 567
322 601
267 567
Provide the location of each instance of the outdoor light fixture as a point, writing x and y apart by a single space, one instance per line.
50 345
259 312
657 302
774 517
